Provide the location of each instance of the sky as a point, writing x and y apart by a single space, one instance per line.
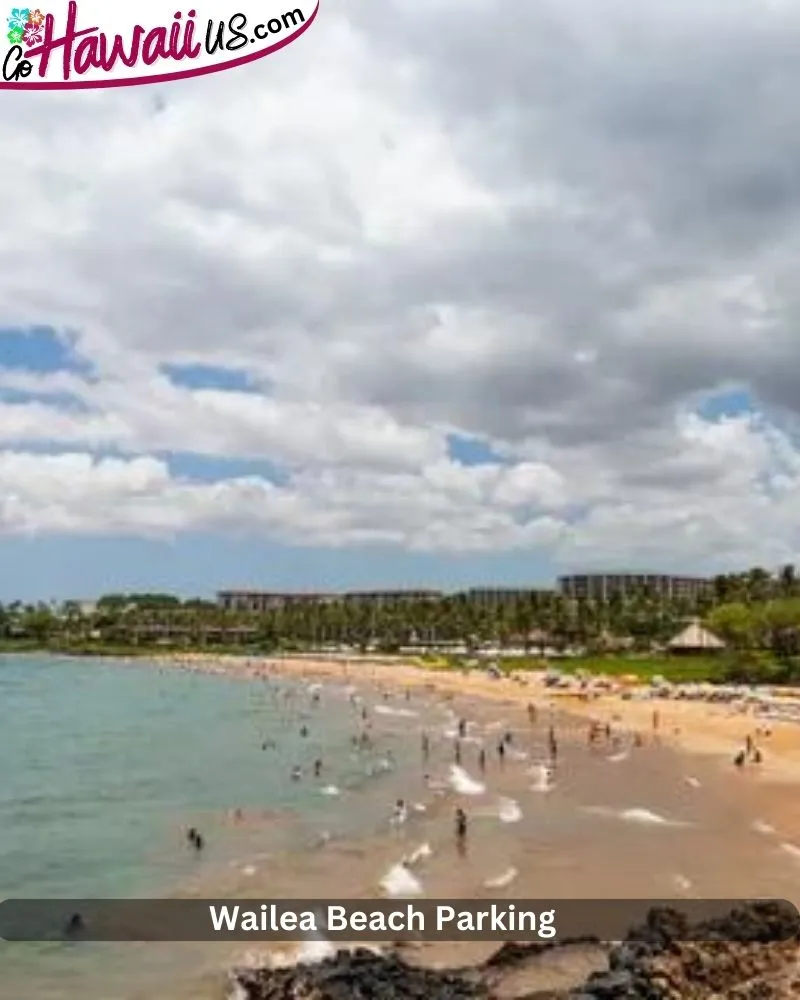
442 294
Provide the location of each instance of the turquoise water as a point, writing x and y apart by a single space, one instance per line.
105 764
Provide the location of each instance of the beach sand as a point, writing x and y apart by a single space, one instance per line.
670 818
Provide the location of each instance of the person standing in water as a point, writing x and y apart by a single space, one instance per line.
462 728
501 751
458 752
482 759
426 746
531 713
461 831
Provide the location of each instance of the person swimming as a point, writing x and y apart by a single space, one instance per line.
196 839
297 773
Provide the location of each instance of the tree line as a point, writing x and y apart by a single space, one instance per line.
753 611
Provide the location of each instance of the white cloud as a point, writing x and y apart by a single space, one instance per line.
548 226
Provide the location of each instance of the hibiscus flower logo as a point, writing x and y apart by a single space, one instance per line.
36 17
32 34
18 19
15 36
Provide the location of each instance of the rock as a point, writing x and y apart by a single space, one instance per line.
750 954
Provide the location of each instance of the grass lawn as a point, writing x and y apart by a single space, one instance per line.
695 669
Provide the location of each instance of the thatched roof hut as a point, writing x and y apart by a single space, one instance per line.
695 639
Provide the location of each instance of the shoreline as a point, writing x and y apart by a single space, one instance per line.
712 730
701 727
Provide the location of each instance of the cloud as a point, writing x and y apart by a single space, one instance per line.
553 227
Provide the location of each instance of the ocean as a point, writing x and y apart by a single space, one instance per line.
107 763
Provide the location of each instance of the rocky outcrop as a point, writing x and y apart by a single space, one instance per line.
751 954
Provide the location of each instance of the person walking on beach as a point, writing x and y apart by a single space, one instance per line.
531 713
317 768
482 759
458 752
426 746
739 759
462 728
461 831
501 751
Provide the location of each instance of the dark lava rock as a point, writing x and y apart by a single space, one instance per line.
359 975
752 953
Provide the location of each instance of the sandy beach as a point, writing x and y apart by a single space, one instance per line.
695 726
701 729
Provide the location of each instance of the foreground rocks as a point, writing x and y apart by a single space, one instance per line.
752 954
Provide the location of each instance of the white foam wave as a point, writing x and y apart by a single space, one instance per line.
544 778
462 783
400 713
682 883
310 952
399 882
516 754
692 782
236 992
419 807
314 951
645 816
510 811
617 758
759 826
792 849
331 790
423 851
501 881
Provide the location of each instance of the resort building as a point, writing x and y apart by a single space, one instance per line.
492 597
390 596
259 600
602 586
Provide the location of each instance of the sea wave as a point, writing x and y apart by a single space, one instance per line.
510 811
463 783
399 882
501 881
400 713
